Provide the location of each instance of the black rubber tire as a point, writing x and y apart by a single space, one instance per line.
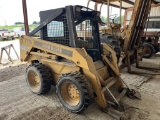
114 43
152 50
45 77
84 87
156 49
12 37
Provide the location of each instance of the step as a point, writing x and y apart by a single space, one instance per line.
108 83
121 94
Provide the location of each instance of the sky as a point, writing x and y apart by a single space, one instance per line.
11 10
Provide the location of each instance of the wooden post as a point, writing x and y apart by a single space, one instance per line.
24 5
120 11
108 13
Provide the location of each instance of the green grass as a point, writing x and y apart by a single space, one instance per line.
17 26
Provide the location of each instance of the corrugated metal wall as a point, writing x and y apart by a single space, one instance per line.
155 12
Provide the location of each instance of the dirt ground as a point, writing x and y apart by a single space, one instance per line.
17 102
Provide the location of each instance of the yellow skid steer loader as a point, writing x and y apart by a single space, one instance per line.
69 55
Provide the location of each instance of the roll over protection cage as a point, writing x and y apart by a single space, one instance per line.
70 16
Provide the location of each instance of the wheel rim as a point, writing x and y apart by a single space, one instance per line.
70 94
147 51
34 80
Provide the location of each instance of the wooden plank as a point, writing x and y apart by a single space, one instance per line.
8 52
15 51
8 55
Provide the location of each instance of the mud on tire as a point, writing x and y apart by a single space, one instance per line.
81 85
38 72
150 51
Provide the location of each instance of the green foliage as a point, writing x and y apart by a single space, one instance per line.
104 19
35 22
17 26
18 23
32 26
116 20
122 19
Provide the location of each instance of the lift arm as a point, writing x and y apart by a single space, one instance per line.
135 30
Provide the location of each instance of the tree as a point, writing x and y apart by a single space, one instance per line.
117 20
35 22
104 19
18 23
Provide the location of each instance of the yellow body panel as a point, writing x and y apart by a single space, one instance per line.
76 59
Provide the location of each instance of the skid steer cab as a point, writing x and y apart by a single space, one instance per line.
69 55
